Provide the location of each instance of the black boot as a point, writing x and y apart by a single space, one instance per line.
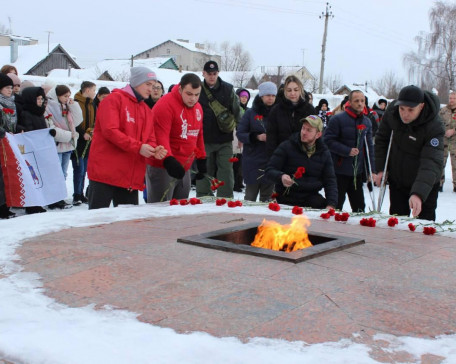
34 210
5 212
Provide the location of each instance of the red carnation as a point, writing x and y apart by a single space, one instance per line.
173 202
411 227
274 195
195 201
238 203
299 172
232 204
220 201
325 216
258 117
297 210
8 111
392 221
183 202
331 212
233 159
429 230
274 206
371 222
361 127
344 216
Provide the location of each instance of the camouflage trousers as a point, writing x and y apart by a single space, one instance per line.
449 148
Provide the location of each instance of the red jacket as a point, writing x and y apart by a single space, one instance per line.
179 129
122 125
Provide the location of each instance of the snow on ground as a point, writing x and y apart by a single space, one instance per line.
36 329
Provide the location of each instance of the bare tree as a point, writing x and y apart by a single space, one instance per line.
388 85
234 57
334 82
434 63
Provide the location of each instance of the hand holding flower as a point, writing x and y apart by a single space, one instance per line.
287 181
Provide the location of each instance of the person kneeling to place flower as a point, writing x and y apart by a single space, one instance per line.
301 166
123 139
178 122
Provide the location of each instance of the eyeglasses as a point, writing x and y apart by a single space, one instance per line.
156 88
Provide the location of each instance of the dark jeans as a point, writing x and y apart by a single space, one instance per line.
79 173
346 186
399 202
100 195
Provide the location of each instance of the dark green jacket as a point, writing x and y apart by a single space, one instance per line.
416 156
224 93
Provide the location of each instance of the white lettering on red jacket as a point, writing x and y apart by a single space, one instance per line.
129 118
184 125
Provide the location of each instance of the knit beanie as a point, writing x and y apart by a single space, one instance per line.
244 93
16 80
139 75
5 81
26 84
267 88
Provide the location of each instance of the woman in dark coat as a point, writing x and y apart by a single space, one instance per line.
252 133
284 119
32 118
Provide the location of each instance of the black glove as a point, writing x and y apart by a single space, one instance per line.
52 132
174 168
202 168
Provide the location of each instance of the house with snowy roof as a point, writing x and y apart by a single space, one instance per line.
367 90
36 59
188 56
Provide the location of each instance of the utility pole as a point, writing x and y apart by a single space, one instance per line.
328 14
49 37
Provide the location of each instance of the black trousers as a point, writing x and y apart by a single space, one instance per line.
100 195
346 186
312 200
399 202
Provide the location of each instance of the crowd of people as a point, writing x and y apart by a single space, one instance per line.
204 133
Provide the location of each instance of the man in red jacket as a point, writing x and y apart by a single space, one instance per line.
178 122
123 139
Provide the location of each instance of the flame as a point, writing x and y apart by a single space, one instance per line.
288 238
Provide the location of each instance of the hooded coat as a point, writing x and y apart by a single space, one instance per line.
122 126
284 120
32 117
416 156
179 129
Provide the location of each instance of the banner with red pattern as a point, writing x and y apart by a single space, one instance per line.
31 169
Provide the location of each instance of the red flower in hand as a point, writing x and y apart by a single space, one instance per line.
297 210
220 201
392 221
233 160
299 172
411 227
48 116
274 206
429 230
258 117
173 202
361 127
8 111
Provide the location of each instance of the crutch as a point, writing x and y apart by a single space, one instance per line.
383 182
371 190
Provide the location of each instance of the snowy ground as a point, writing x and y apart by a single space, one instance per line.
36 329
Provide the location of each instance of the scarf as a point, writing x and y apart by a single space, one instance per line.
61 115
9 121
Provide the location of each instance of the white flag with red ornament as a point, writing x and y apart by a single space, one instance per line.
31 169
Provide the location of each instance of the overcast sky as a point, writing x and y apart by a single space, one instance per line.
366 38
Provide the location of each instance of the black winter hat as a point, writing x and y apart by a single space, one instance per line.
322 102
5 81
410 96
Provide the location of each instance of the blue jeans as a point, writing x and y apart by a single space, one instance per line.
64 159
79 173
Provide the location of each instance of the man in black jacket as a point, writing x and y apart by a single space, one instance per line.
416 157
218 136
304 150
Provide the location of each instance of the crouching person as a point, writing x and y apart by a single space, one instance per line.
123 139
301 166
178 122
